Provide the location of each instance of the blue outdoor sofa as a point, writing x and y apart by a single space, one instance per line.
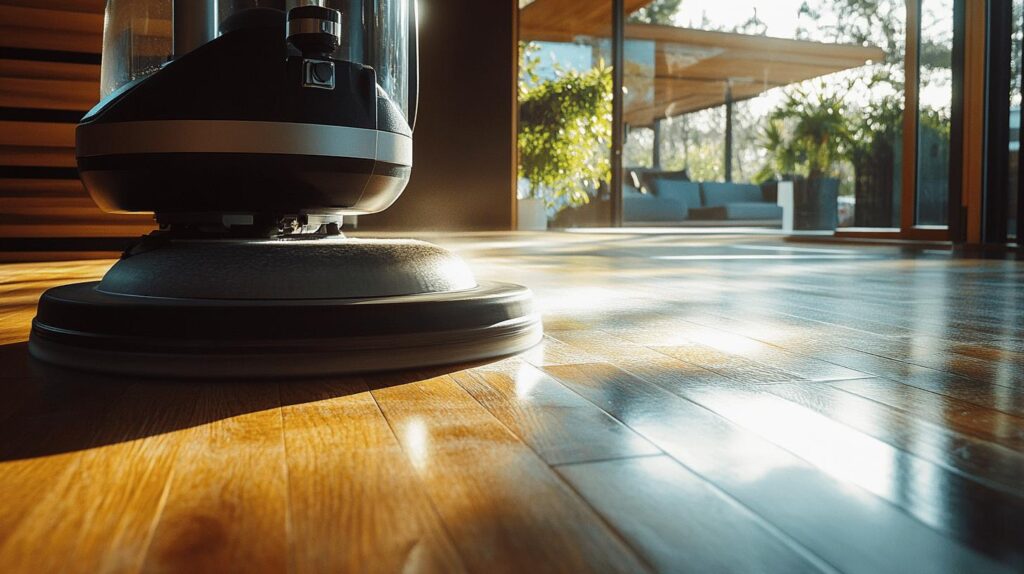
665 197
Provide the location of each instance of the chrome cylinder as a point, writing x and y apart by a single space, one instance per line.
195 24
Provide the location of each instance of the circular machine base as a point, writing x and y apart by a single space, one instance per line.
81 327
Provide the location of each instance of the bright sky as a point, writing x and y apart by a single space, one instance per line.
782 20
779 15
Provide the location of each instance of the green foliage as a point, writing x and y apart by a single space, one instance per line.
657 12
877 126
565 126
866 22
865 132
807 135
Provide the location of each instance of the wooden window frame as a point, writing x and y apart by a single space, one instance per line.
966 139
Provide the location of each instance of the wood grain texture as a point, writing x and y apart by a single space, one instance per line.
699 533
45 87
350 483
982 460
685 412
43 27
234 491
753 469
505 508
560 426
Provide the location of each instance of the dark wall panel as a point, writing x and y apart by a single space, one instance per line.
49 77
463 170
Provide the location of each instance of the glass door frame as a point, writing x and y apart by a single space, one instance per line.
618 123
1020 151
995 196
964 165
909 228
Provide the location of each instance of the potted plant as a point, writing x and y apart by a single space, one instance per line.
565 129
807 137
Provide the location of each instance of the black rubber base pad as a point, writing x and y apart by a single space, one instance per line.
80 327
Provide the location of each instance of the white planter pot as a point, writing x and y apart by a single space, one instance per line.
532 215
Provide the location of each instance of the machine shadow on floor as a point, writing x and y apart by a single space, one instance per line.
50 410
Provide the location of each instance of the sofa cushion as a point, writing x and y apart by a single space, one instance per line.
718 193
753 210
646 176
630 191
645 207
687 192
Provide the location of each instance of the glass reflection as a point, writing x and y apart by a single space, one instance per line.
935 97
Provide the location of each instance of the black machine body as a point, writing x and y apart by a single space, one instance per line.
263 123
251 140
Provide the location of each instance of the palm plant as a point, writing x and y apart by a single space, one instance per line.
807 135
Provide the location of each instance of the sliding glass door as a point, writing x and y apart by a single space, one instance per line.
1014 183
1001 190
756 113
565 113
934 108
818 115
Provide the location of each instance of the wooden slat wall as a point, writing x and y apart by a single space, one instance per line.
49 77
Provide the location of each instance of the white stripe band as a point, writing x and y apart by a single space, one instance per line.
225 136
312 26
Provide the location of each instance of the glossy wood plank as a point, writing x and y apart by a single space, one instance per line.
505 509
987 424
905 345
233 491
941 499
680 523
559 425
712 340
551 351
823 342
21 284
354 502
728 364
43 434
637 359
730 354
109 508
798 498
983 461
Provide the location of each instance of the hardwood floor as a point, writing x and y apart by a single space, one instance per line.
704 403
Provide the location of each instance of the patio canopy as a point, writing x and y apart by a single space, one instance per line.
689 70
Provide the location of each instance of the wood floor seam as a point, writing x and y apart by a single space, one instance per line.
288 526
789 540
431 503
688 410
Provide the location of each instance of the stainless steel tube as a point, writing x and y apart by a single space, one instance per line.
195 23
296 3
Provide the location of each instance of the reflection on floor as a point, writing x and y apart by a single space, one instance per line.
700 403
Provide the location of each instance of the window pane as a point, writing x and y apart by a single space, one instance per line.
1015 124
743 98
565 113
935 97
